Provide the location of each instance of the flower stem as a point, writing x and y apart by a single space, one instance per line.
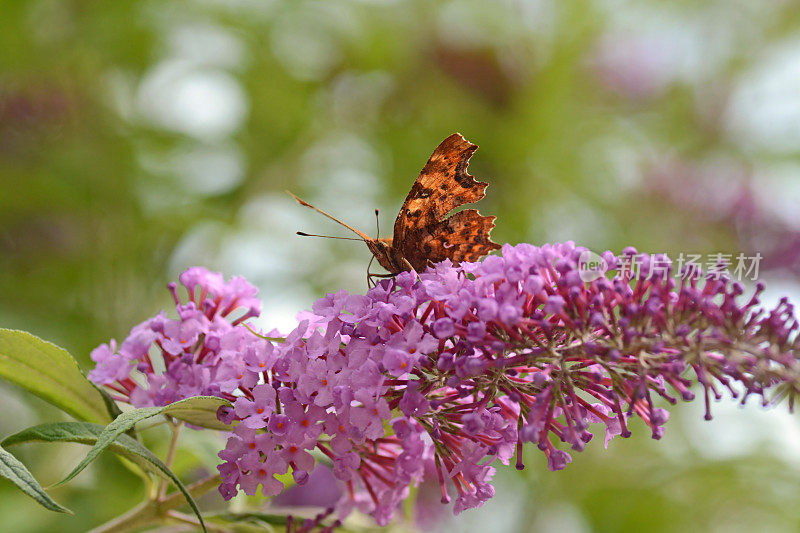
175 427
151 512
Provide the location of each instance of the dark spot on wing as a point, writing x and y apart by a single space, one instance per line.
461 172
419 191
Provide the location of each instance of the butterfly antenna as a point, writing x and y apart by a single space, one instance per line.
320 211
377 225
304 234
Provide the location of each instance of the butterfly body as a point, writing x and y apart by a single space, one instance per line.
423 233
386 255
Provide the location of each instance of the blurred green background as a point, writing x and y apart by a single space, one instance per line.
139 138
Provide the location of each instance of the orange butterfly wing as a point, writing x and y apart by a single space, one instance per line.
422 234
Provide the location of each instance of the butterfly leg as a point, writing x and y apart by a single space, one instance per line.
369 274
411 268
380 276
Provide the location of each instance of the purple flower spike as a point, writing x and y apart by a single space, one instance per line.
203 352
445 373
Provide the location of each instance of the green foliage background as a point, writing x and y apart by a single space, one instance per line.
138 138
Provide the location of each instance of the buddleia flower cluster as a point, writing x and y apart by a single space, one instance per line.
462 366
444 373
201 352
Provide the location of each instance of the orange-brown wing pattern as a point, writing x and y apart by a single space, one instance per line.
421 233
461 237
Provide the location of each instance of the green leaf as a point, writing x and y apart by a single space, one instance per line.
197 411
12 469
87 433
267 520
200 411
248 522
111 406
113 431
50 373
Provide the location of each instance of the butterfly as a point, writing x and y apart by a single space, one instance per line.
423 233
